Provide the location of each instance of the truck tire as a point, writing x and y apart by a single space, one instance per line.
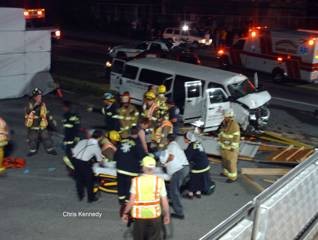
278 75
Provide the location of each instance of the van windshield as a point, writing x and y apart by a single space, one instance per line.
241 89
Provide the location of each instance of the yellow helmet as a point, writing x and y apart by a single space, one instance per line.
150 95
114 136
162 89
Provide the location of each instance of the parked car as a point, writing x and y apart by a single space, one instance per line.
190 36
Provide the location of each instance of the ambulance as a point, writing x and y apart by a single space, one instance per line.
284 54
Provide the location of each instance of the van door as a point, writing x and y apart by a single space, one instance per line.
193 101
216 102
115 74
128 82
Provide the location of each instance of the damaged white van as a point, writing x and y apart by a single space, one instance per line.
201 93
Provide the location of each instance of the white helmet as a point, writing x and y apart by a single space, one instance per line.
229 113
191 137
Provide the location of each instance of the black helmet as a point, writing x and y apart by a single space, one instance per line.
36 92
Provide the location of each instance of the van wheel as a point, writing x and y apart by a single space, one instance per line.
278 75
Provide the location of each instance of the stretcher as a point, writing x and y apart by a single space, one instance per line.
107 176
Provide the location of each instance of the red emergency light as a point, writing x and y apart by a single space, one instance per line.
221 52
34 13
279 59
253 34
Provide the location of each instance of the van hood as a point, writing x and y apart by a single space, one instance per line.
255 100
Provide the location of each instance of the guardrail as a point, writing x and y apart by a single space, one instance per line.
288 209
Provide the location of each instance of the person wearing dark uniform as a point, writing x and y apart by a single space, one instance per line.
37 119
110 111
71 124
200 181
128 156
84 153
174 116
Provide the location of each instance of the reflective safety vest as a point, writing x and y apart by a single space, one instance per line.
229 137
147 202
3 133
29 118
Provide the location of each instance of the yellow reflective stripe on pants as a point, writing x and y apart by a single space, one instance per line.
68 162
232 176
127 173
201 170
68 142
68 125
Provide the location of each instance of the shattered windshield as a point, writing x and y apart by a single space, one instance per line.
240 89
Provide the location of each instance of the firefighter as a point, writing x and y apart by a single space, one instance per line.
200 181
160 134
161 101
37 119
71 124
108 145
4 137
127 114
150 109
229 140
128 156
110 111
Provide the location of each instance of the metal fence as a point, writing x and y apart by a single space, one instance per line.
286 210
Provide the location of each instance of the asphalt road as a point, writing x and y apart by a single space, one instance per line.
34 201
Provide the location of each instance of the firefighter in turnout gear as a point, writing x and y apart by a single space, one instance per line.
151 109
161 133
37 119
71 124
128 115
110 111
200 181
161 101
4 138
229 140
128 156
109 145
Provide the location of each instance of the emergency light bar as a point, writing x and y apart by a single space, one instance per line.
34 13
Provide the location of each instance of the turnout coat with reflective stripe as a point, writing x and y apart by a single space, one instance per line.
147 189
229 136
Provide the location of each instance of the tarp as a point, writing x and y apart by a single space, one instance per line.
12 64
37 62
36 41
12 19
25 41
25 59
12 42
20 85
